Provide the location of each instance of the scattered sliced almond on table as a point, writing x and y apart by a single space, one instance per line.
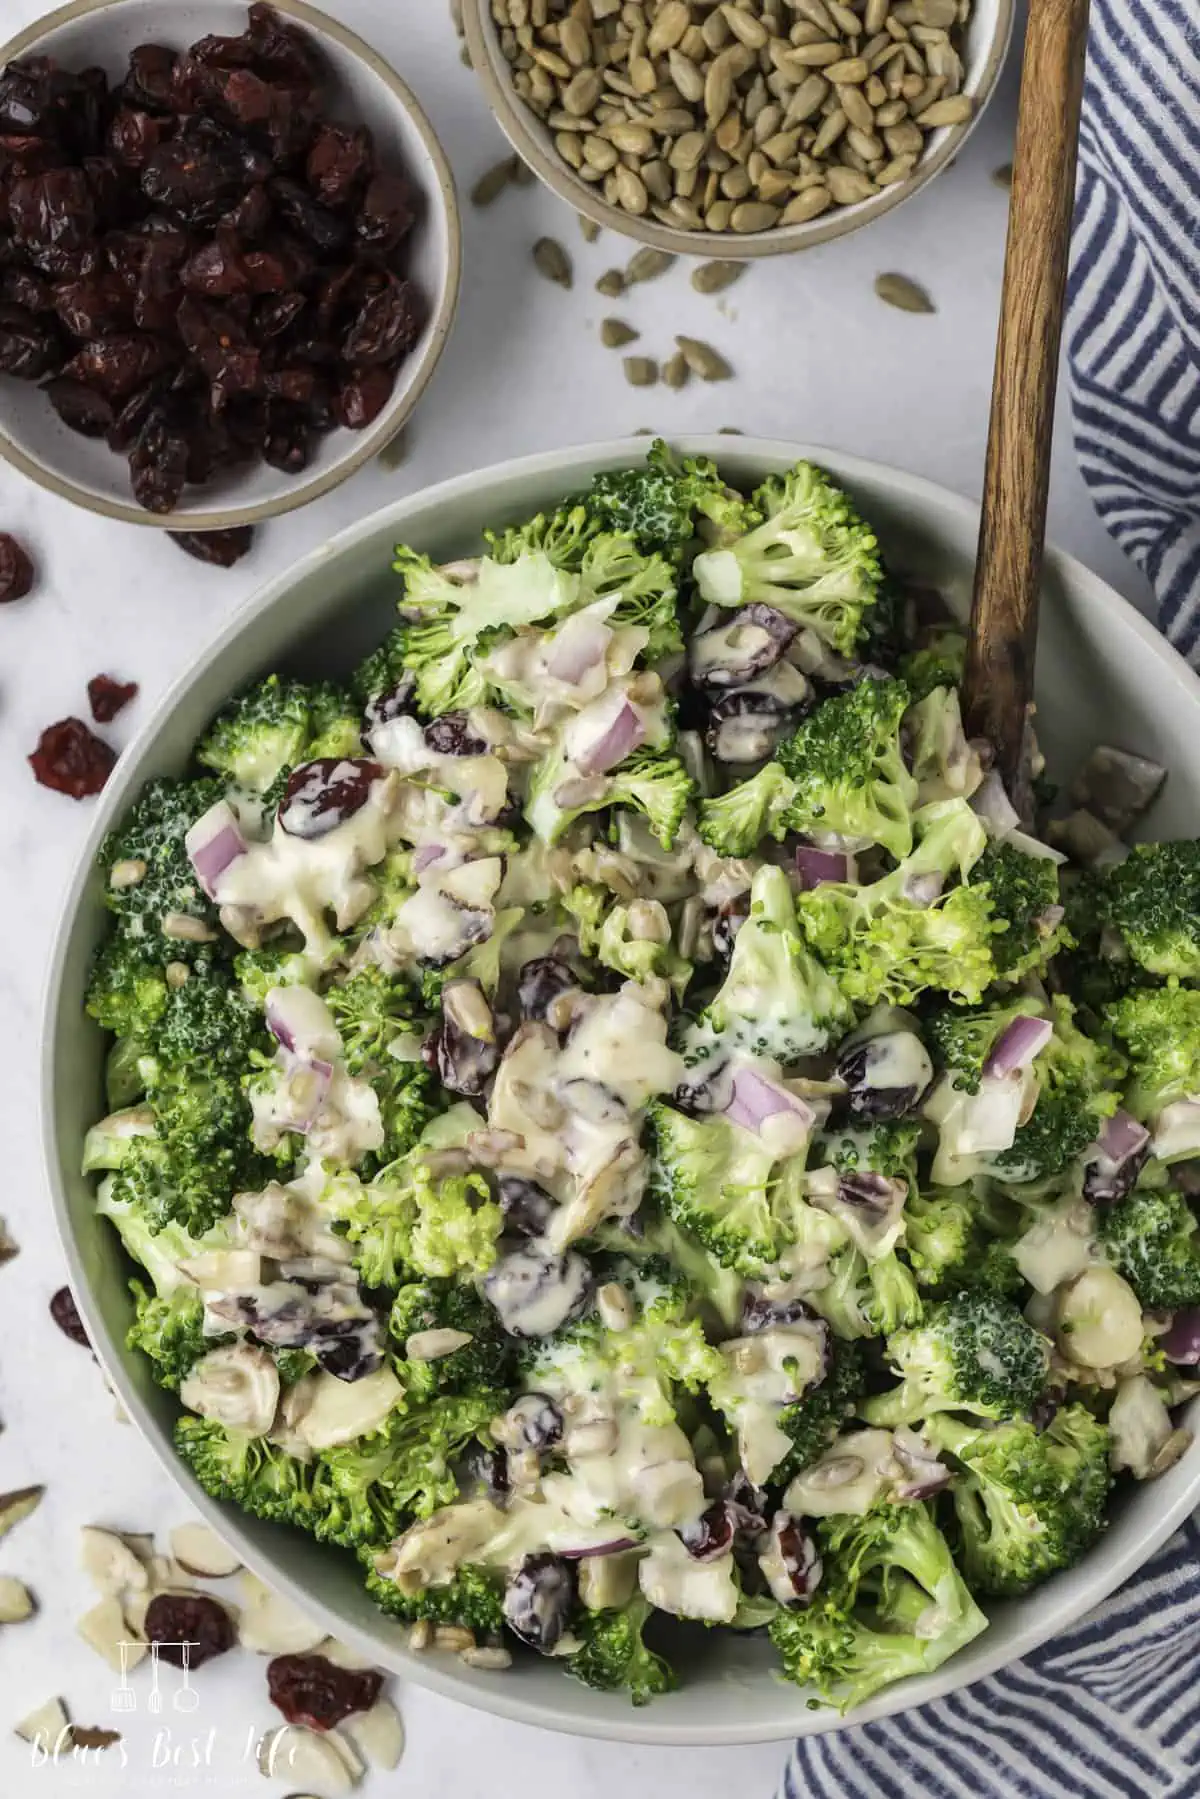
200 1551
272 1625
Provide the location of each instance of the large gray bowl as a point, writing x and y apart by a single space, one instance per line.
1105 675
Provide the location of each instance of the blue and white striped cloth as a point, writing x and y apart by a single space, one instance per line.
1110 1710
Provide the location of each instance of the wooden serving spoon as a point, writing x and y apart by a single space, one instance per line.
1002 642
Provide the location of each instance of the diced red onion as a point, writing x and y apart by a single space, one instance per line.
869 1191
753 1099
923 890
425 855
816 866
616 1547
624 735
991 804
1122 1136
278 1025
213 843
1181 1344
579 645
1017 1045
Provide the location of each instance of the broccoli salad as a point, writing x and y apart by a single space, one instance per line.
622 1129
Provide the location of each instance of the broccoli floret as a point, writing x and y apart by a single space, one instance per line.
653 782
1151 1237
1152 900
486 1362
276 964
961 1040
938 663
372 1010
123 1081
776 1000
635 941
413 1221
717 1291
644 587
868 1298
1029 1502
383 671
1027 909
563 536
1077 1090
841 770
276 725
614 1657
126 994
947 1241
813 1421
152 834
249 1471
887 1146
975 1352
712 1180
170 1331
812 558
160 1252
366 1492
451 614
942 762
883 945
1160 1030
474 1598
892 1604
661 505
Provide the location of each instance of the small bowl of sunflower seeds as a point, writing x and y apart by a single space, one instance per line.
741 128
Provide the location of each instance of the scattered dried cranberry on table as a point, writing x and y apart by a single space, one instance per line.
174 1620
220 549
65 1314
309 1689
198 264
108 697
71 759
16 570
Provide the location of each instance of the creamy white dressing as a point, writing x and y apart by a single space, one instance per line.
553 673
765 1372
973 1127
337 1411
676 1582
1057 1247
1177 1131
855 1471
345 1126
451 909
895 1060
480 782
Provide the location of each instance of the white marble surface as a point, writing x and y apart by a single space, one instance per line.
817 357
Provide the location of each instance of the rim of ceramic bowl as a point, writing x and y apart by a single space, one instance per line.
530 140
501 1699
371 441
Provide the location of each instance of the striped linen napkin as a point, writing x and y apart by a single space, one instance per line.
1108 1710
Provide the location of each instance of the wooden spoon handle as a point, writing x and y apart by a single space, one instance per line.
998 685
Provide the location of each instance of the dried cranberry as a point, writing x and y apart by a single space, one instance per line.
762 1314
541 981
315 1692
323 228
71 759
451 735
16 569
712 1533
527 1207
539 1600
387 327
728 922
21 287
133 135
119 365
199 181
65 1314
281 49
322 795
158 461
29 347
132 416
95 307
252 214
361 400
288 443
394 703
220 549
189 1628
30 92
490 1468
338 163
148 81
108 697
53 218
388 213
464 1050
79 407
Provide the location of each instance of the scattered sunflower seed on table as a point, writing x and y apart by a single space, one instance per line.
738 117
906 295
552 261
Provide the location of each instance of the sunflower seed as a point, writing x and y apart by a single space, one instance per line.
955 109
808 205
394 452
492 182
672 21
715 32
574 41
611 284
717 217
581 93
828 135
730 431
746 28
687 78
703 360
569 148
676 372
615 332
715 277
848 186
1002 177
718 88
646 265
640 371
853 69
898 169
552 261
817 13
857 108
631 139
906 295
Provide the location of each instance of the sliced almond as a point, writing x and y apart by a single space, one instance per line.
106 1630
379 1733
141 1542
342 1656
18 1505
272 1625
168 1576
47 1725
16 1601
110 1562
200 1551
8 1248
351 1760
295 1753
